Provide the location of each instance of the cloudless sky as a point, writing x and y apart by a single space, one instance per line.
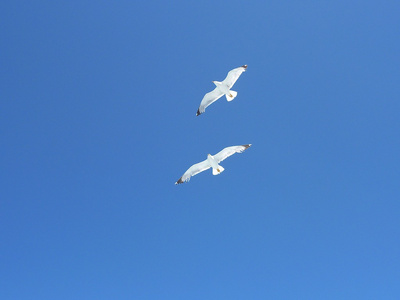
98 104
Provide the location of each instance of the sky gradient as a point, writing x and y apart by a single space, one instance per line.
98 120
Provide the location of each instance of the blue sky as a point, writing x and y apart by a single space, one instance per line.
97 122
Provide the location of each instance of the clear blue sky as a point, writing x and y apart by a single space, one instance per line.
98 120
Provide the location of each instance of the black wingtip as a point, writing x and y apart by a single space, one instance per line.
244 66
246 146
198 112
179 181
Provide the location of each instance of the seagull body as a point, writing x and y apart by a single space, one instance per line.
212 162
222 88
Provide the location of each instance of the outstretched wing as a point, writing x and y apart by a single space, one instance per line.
193 170
228 151
208 99
233 75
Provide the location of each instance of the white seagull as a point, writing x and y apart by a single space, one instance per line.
212 162
223 88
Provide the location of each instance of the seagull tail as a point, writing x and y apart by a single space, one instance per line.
217 171
232 95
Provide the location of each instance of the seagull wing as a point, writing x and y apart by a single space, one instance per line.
208 99
193 170
233 75
228 151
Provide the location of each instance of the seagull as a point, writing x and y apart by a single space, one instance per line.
223 88
212 162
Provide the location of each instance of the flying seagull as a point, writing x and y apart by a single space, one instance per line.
223 88
212 162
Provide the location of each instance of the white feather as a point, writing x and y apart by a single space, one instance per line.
212 161
223 88
228 151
